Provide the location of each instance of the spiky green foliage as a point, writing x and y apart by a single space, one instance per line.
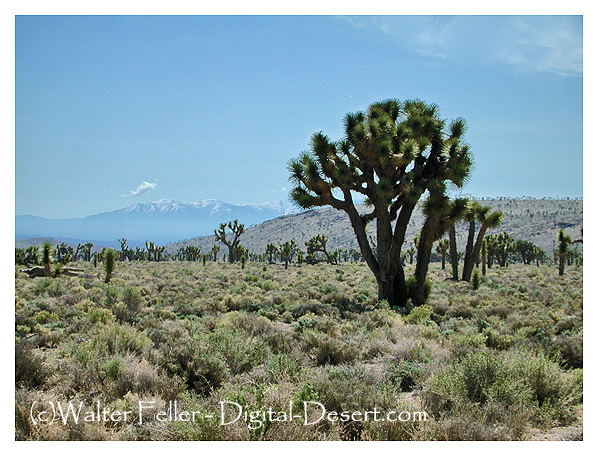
287 250
440 214
109 263
562 249
271 250
47 253
442 248
391 154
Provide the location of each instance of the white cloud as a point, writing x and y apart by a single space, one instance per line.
141 189
551 44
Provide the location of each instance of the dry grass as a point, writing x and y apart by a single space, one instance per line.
262 337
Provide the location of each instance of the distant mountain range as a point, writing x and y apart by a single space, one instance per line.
178 224
162 221
534 220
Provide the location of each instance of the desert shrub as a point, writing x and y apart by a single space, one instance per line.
314 322
191 360
569 348
418 315
327 350
461 310
406 375
114 339
30 370
496 340
297 310
129 373
464 343
239 352
133 302
350 388
45 317
111 296
502 387
378 318
102 315
412 288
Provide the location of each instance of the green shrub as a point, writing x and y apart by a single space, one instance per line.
120 339
504 384
102 315
419 314
109 263
475 280
327 350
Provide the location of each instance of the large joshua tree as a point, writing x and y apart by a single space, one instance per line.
233 243
392 154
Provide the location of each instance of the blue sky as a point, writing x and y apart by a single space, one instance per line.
115 110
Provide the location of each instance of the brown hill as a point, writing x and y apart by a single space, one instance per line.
535 220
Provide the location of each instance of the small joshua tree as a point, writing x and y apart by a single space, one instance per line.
475 280
47 258
109 263
564 242
442 249
287 250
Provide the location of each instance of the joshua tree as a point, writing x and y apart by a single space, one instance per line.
151 248
214 251
287 251
318 243
487 220
392 154
526 250
500 246
87 251
562 249
442 248
47 258
440 213
109 262
221 236
411 252
31 255
271 249
483 257
124 248
470 215
76 252
20 256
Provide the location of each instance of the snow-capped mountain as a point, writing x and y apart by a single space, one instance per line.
161 221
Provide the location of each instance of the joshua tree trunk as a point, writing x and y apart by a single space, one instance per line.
474 256
469 251
453 253
425 247
393 290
